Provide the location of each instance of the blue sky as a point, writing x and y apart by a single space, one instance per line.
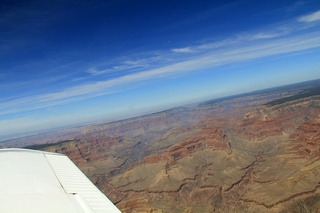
71 62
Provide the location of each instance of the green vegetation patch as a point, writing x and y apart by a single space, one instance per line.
304 94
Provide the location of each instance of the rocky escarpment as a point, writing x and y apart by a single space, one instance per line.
276 120
306 138
266 167
99 152
209 137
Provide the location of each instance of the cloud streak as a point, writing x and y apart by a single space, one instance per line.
313 17
182 50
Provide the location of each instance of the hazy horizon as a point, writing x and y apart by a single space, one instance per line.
70 63
115 119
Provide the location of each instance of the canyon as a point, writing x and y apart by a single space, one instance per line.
255 152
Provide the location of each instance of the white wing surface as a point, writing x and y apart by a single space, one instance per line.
35 181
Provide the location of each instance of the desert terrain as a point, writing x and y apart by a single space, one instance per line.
255 152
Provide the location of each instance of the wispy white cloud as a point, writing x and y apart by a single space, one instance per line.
94 71
182 50
295 6
131 64
263 35
217 44
313 17
126 65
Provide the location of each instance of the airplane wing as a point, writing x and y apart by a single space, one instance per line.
36 182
